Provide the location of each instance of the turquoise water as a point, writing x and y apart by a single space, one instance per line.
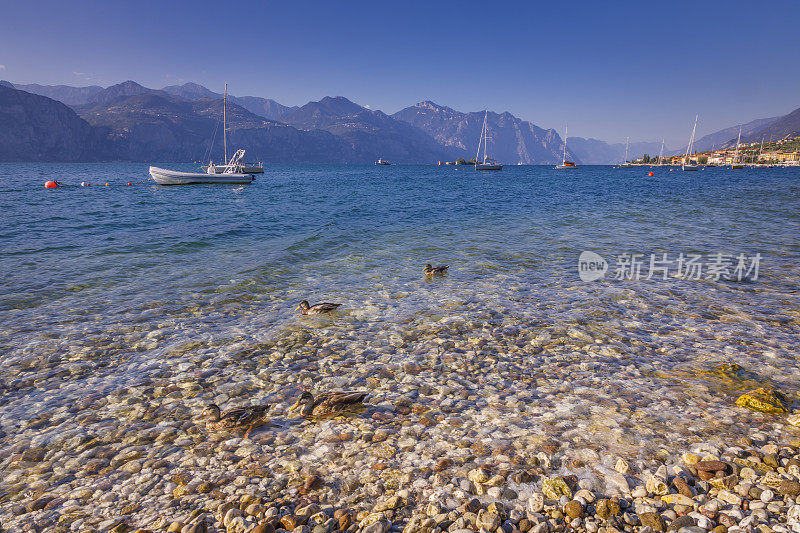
106 288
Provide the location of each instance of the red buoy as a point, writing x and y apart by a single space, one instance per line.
129 183
50 185
649 173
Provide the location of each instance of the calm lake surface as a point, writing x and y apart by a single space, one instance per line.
139 304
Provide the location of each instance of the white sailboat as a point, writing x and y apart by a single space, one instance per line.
488 163
687 162
625 162
736 165
232 173
564 163
660 154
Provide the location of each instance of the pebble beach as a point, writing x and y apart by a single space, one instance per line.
507 395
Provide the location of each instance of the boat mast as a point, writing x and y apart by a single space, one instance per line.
225 123
564 159
627 140
485 134
478 153
761 150
736 155
661 153
687 161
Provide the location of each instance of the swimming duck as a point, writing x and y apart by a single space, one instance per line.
328 403
235 419
437 271
324 307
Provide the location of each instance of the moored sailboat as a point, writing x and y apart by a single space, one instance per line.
687 161
488 163
736 164
625 162
564 163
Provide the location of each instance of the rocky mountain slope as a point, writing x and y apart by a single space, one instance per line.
785 126
37 128
63 93
511 139
727 136
369 133
154 126
263 107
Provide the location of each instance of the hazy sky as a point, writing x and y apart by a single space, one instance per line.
609 69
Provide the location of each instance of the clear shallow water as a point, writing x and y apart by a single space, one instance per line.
115 299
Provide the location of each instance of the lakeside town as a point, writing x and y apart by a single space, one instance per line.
785 152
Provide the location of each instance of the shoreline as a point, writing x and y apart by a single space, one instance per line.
749 486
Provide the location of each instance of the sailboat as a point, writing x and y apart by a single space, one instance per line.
232 173
687 162
564 163
660 154
736 165
488 163
625 162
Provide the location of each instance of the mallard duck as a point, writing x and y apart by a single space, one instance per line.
235 419
324 307
435 271
328 403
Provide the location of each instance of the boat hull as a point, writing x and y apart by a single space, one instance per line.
488 166
565 167
163 176
691 167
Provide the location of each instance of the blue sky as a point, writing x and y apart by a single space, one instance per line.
608 69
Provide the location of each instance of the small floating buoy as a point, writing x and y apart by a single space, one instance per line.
106 185
129 183
50 185
649 173
670 170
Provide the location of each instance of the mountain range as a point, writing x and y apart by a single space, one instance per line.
179 123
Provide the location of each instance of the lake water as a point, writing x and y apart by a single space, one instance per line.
124 308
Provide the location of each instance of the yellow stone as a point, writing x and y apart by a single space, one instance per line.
764 400
678 499
554 488
690 458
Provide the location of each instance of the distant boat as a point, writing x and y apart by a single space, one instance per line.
233 172
488 163
564 163
625 162
383 162
736 165
687 162
660 154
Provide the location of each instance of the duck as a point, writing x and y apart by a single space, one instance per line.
324 307
435 271
328 403
234 419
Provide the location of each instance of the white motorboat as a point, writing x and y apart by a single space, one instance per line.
163 176
233 172
382 162
687 161
487 163
564 163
